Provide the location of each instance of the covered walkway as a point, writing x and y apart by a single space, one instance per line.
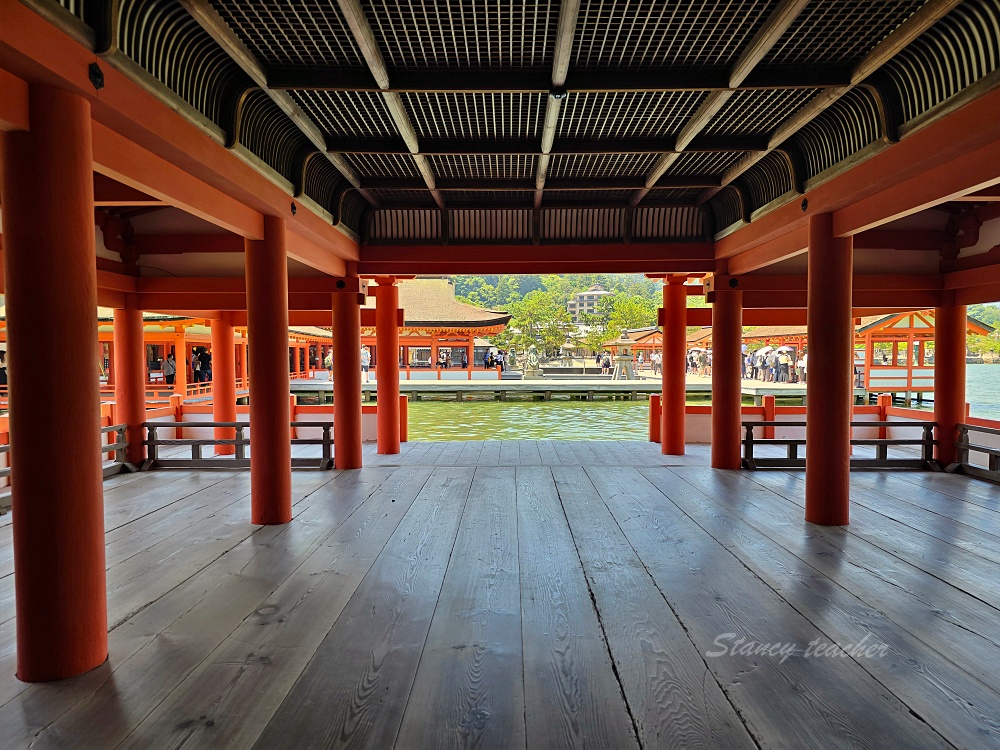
533 594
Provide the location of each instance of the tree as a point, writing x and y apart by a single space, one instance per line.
626 312
541 320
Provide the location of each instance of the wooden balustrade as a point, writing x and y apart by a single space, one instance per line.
882 460
239 460
991 472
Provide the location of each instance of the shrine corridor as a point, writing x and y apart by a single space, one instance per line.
532 594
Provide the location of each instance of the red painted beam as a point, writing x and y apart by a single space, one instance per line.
789 283
173 244
13 103
780 248
958 133
237 284
900 239
907 299
36 50
984 275
319 318
109 192
965 173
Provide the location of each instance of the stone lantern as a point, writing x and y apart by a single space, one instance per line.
623 360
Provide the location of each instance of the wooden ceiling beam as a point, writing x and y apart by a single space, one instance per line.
212 23
569 12
777 22
465 80
354 14
929 14
560 146
562 183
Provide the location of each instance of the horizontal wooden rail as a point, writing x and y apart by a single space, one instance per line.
792 460
117 466
239 460
965 447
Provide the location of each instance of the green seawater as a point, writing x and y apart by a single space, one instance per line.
529 420
599 420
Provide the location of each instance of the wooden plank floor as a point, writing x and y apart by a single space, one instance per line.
533 594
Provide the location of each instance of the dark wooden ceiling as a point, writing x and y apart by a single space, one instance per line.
714 109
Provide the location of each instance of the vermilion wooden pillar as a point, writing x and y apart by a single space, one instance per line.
830 386
267 330
51 296
346 381
950 329
387 364
130 377
224 381
673 373
727 397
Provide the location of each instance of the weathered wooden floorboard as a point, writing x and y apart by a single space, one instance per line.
260 661
510 453
952 701
671 693
529 455
971 490
547 453
490 455
470 453
572 697
564 450
468 690
816 703
369 657
958 625
962 569
163 643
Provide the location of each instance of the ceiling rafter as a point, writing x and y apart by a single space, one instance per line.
560 146
929 14
766 37
569 11
213 24
406 81
354 14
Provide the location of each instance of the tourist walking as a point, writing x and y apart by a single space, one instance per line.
196 366
366 360
800 366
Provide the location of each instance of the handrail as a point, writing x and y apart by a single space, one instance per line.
881 461
240 442
965 446
118 465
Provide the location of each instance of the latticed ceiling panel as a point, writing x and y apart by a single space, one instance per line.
601 165
758 111
482 197
633 33
485 166
347 114
383 165
469 33
626 115
579 197
480 115
310 33
705 163
409 197
839 31
673 195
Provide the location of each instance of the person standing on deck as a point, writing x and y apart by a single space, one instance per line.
206 366
170 369
366 360
3 367
196 366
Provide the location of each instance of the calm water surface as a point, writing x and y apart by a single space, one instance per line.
598 420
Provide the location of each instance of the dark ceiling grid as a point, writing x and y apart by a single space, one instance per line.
881 44
758 111
779 19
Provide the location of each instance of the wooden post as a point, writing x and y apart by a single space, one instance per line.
673 376
768 402
387 363
654 418
727 397
223 381
267 327
51 295
346 381
404 419
130 378
950 328
830 389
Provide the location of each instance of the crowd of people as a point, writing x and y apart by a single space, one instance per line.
771 365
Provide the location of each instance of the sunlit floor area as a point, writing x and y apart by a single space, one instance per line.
533 594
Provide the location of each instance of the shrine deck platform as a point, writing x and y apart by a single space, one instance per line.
533 594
